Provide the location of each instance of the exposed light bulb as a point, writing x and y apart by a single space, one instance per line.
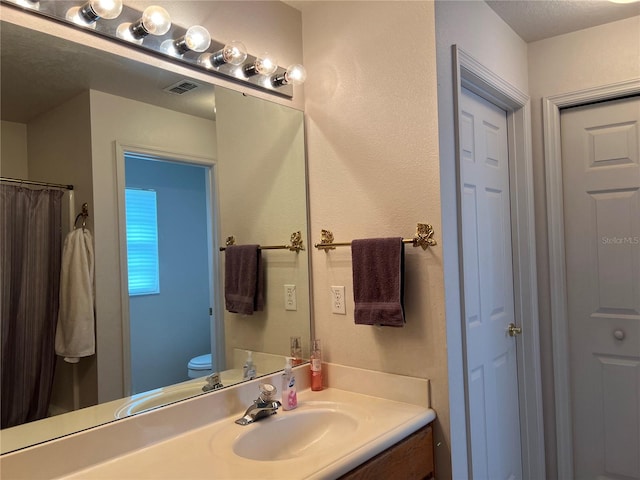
196 38
155 21
233 53
87 14
295 75
266 64
108 9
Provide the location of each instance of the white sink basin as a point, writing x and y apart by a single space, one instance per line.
330 433
282 437
159 397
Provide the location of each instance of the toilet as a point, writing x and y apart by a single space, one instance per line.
200 366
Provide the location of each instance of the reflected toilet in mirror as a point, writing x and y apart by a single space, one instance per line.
199 366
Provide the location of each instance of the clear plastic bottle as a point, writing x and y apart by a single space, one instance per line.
316 366
249 368
289 392
296 350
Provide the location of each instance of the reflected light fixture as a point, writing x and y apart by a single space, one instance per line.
195 39
265 64
86 15
155 21
295 75
233 53
33 4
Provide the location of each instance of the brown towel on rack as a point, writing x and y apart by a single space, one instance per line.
243 279
378 281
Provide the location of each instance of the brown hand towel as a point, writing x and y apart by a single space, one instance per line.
243 284
378 281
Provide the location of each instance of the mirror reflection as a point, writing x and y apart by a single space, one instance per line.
214 163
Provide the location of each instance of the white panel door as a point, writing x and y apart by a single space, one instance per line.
488 291
601 183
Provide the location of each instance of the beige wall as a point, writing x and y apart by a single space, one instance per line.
372 145
59 143
13 150
588 58
476 29
263 190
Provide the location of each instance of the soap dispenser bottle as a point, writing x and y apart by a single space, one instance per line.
316 366
249 369
289 393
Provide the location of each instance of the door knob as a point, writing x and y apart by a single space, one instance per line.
619 334
512 330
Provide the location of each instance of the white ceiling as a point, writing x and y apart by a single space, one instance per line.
535 20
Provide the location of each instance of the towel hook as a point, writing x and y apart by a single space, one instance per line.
84 214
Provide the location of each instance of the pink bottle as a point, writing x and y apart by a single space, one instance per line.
316 366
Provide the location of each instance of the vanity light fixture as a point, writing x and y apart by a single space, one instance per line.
86 15
152 30
196 39
295 75
155 21
265 64
233 53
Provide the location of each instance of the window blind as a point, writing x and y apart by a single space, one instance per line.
142 241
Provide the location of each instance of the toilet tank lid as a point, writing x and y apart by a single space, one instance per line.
203 362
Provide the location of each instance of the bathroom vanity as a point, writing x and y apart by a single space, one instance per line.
333 433
411 458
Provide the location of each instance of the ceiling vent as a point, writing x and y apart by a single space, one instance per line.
182 87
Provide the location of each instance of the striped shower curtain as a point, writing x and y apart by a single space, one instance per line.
30 254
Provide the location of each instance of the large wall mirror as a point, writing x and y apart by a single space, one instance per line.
218 163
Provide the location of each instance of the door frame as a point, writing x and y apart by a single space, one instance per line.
557 268
217 319
472 75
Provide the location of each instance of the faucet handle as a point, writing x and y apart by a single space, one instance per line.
213 382
267 392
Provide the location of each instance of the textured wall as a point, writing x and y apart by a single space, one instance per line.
372 148
13 157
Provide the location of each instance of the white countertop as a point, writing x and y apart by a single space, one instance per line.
206 452
197 438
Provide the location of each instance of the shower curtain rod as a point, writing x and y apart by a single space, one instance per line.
40 184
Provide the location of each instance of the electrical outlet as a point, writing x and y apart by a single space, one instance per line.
290 300
338 300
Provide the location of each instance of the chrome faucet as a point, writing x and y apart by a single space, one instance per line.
264 406
213 382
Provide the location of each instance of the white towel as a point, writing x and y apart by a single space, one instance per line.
75 333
